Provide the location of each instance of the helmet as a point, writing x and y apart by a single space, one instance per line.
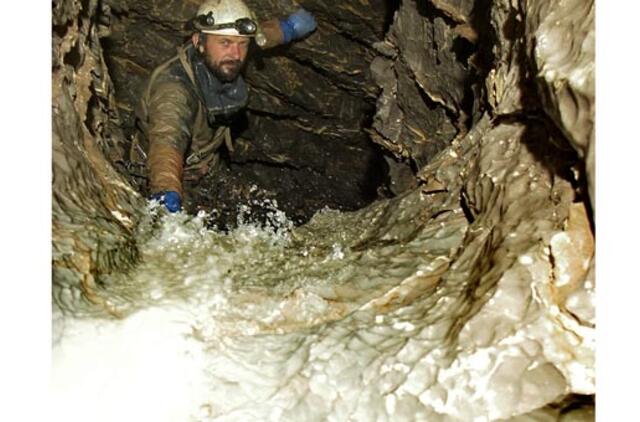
225 17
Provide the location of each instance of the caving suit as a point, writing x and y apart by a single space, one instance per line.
183 114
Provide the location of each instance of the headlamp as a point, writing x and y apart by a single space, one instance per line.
244 26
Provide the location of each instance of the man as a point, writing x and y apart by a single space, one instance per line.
189 100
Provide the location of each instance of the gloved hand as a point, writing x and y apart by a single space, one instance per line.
171 200
297 25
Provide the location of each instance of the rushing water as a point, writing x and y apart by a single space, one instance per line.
268 294
346 318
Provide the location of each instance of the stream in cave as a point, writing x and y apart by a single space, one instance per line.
345 318
242 325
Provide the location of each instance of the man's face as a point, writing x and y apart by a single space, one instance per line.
225 55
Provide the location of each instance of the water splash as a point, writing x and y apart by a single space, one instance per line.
352 316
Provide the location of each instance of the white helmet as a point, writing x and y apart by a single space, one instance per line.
225 17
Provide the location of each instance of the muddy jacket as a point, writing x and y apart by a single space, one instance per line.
182 115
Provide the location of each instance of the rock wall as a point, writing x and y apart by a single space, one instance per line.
94 211
562 39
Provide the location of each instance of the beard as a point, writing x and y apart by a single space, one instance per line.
226 70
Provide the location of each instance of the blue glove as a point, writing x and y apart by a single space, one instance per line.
171 200
297 25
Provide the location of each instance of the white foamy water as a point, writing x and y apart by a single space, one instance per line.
338 320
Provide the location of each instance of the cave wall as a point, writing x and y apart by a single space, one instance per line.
561 38
424 82
512 60
95 213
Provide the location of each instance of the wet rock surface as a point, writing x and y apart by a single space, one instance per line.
95 213
468 294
